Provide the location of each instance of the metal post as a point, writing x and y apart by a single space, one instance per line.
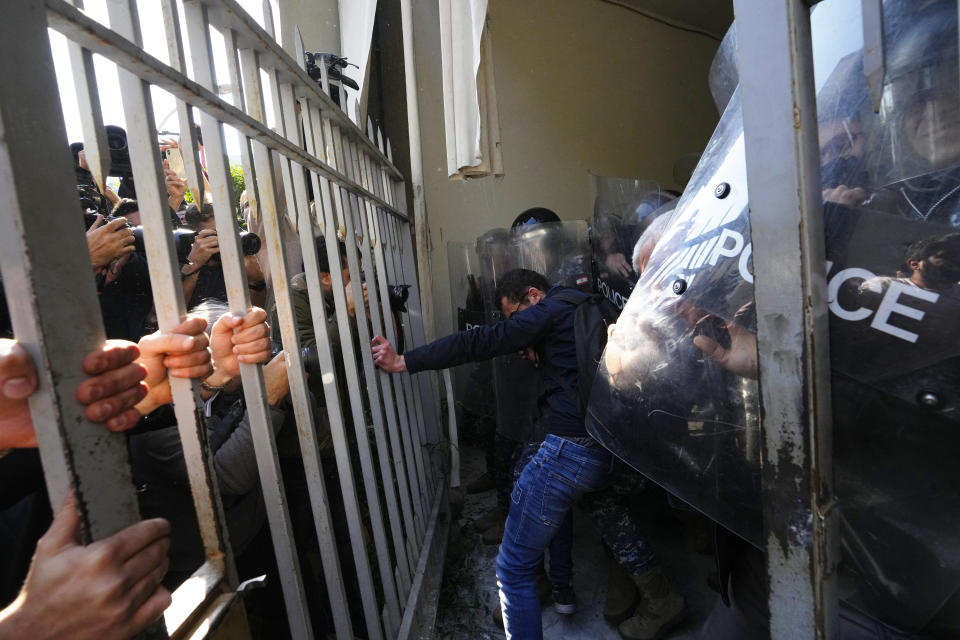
783 179
262 430
421 227
168 298
423 384
415 429
189 144
348 213
338 429
88 105
385 275
246 149
48 275
378 292
333 206
302 406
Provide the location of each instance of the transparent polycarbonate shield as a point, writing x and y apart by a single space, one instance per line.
915 136
496 255
724 77
895 355
676 395
623 208
892 216
560 251
658 402
472 382
517 383
874 225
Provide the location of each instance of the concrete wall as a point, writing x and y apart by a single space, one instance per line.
319 22
581 85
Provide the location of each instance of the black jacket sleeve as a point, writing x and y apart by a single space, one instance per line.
482 343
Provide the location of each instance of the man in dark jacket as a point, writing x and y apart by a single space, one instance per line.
568 464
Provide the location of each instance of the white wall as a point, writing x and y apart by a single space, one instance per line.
582 85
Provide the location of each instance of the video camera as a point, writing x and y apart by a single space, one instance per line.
119 153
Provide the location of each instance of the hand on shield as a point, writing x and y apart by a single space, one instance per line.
741 357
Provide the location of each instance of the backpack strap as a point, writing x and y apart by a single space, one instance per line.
573 297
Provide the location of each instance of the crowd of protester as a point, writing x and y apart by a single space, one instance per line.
119 585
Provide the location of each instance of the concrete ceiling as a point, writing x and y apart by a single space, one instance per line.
710 16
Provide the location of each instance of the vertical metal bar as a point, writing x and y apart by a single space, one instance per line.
48 275
422 384
246 152
88 106
391 225
302 406
404 399
318 309
381 318
168 291
783 179
269 27
421 228
290 128
354 167
370 372
410 443
874 59
393 195
417 320
189 143
262 430
333 206
416 416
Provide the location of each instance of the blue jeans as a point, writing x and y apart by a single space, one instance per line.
561 545
549 485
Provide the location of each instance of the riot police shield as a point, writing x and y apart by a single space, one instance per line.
472 382
680 419
676 394
623 208
560 252
724 77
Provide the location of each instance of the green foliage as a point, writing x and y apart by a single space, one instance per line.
236 174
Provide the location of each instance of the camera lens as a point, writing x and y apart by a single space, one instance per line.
249 243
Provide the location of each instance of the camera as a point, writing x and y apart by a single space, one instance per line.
183 238
120 165
398 294
249 242
309 355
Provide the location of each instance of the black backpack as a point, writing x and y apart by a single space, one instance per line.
593 316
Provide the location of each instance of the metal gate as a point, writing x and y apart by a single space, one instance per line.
356 190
